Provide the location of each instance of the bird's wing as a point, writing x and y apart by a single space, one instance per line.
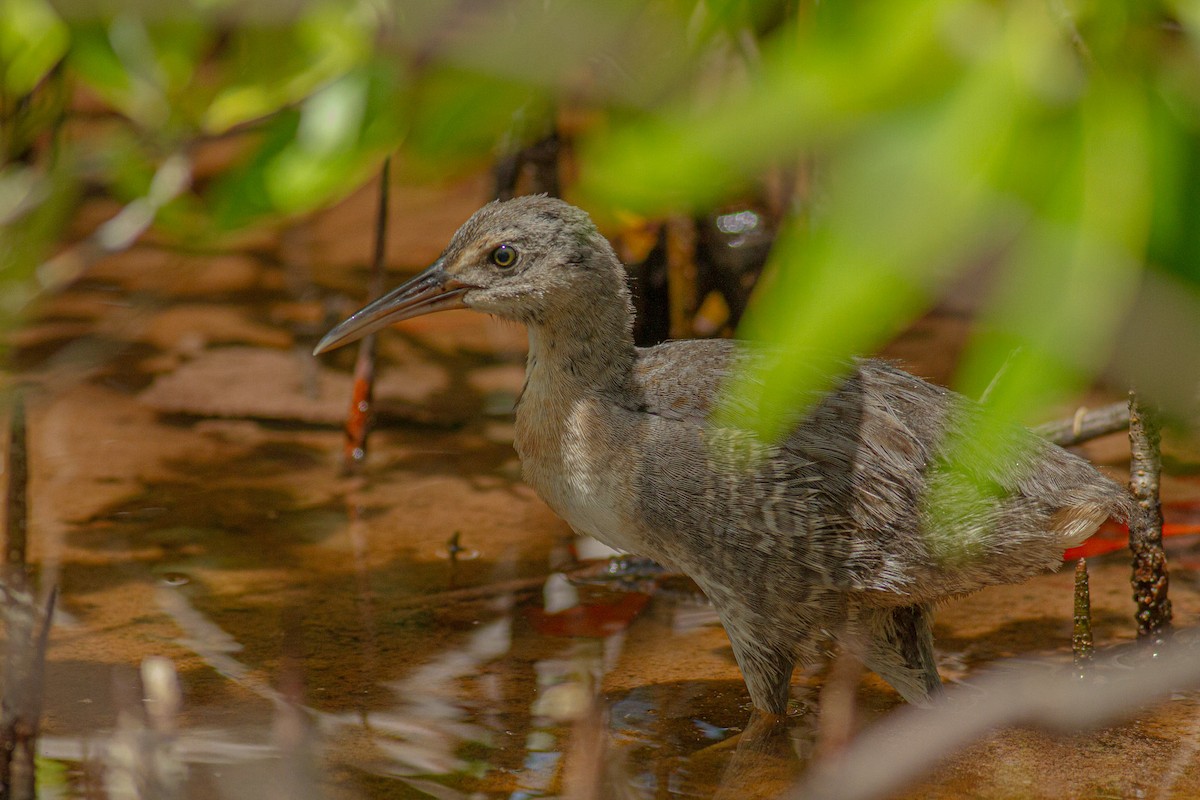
853 498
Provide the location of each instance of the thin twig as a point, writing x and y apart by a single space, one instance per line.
19 612
16 502
358 421
1084 425
515 586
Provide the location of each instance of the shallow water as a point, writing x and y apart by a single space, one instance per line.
186 500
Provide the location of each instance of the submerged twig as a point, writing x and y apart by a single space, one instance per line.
588 762
25 667
358 421
18 603
143 756
297 776
454 548
27 630
1086 424
1081 639
1150 579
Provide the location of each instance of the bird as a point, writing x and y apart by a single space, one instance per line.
844 532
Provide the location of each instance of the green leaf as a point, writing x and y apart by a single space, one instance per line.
32 40
239 195
461 114
95 63
273 67
34 207
311 157
1174 235
837 78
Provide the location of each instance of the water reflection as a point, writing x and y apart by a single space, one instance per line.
495 709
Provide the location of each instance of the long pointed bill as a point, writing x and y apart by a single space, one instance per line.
432 290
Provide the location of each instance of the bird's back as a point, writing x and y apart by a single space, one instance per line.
861 497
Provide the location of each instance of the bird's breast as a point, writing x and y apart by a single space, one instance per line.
573 455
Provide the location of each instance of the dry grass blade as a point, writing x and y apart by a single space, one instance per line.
910 742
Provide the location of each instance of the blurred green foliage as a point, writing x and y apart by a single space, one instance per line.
1057 140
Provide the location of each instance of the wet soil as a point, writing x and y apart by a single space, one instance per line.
186 500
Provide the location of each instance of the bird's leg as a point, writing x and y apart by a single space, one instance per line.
766 667
764 756
898 645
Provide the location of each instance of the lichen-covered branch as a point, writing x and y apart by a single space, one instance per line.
1150 579
1081 639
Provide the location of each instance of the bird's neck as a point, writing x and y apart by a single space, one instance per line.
585 346
591 351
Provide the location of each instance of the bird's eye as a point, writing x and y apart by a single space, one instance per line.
504 256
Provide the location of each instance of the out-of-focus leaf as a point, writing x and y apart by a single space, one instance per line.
34 205
1067 283
323 158
459 114
124 163
145 68
143 71
1175 236
276 66
53 776
811 90
967 132
240 196
626 50
94 61
311 157
908 202
32 40
1070 279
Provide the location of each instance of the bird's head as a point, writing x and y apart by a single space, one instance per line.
529 259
